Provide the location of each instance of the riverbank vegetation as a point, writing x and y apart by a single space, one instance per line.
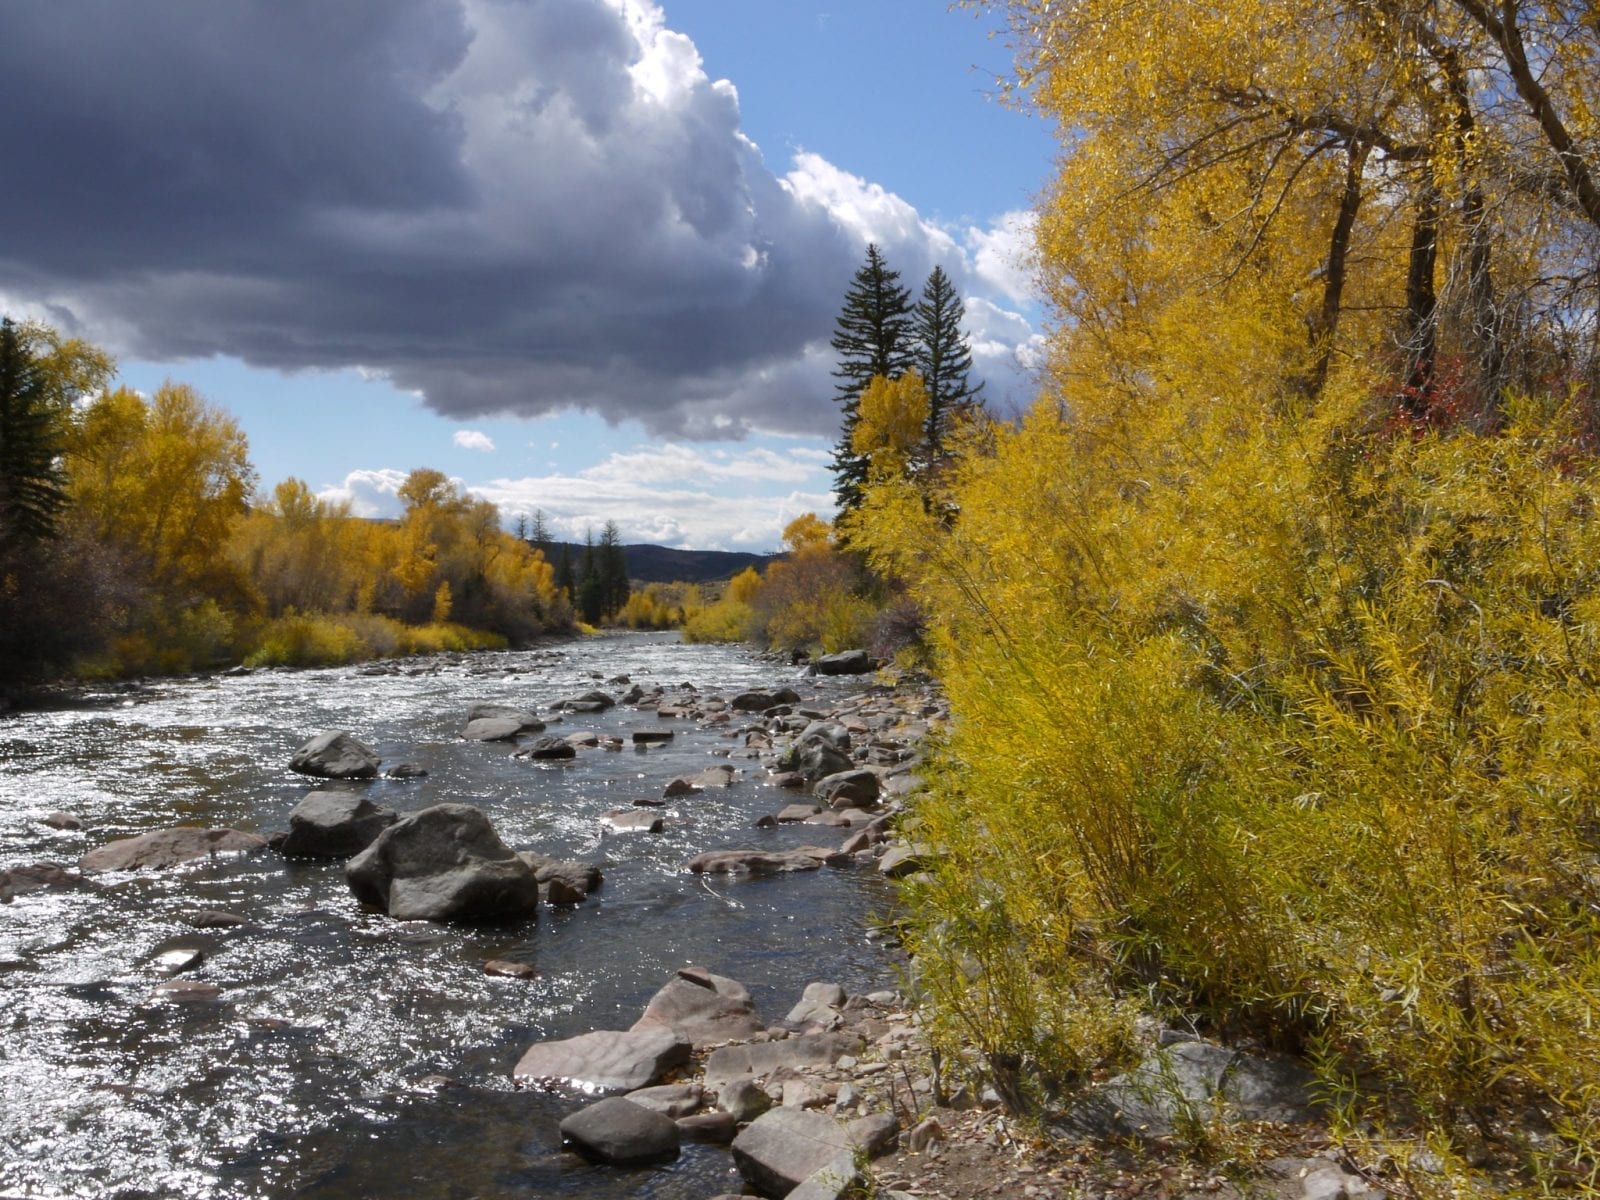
1272 631
133 539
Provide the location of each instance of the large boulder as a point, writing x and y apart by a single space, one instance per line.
616 1130
603 1063
168 848
702 1008
334 754
589 702
443 863
493 729
821 749
846 662
857 788
526 721
334 825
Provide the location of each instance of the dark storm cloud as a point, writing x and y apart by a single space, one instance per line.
506 205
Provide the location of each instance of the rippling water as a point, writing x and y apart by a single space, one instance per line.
352 1055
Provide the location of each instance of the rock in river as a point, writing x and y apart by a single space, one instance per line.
615 1130
703 1008
443 863
334 754
334 825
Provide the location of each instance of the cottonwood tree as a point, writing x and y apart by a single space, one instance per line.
1397 179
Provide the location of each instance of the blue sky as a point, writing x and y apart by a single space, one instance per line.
537 244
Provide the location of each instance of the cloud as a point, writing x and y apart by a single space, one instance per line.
472 439
504 206
370 493
1002 256
673 494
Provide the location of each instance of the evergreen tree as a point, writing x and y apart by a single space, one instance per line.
943 357
872 336
565 580
539 533
591 593
612 565
31 481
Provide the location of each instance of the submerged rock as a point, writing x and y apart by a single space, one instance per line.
169 848
763 862
443 863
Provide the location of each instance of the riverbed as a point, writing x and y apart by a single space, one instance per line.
350 1054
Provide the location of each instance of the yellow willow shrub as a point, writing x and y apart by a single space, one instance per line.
1290 717
727 620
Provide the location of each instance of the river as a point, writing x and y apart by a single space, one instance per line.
352 1055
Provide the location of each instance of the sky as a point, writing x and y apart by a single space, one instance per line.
584 256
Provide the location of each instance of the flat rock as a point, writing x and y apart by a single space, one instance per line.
670 1099
902 858
334 825
633 820
763 862
703 1009
795 813
526 721
616 1130
38 877
506 968
605 1062
719 776
648 737
782 1148
443 863
760 1060
169 848
493 729
334 754
213 918
1239 1087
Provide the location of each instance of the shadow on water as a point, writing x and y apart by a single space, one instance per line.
349 1055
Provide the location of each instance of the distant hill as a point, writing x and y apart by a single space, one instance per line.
663 564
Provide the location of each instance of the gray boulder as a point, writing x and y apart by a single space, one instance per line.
605 1062
549 748
846 662
334 825
856 788
169 848
821 749
702 1008
616 1130
334 754
670 1099
562 881
443 863
763 1060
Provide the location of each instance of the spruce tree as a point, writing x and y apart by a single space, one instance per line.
565 580
943 357
872 336
32 491
591 594
612 565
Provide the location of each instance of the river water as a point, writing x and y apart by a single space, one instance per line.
352 1055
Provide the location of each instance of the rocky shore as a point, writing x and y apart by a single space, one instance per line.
837 1096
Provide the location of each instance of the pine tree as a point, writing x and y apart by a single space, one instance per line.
565 580
943 357
31 481
591 594
539 533
872 336
612 566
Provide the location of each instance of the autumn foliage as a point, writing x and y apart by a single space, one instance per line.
1273 631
